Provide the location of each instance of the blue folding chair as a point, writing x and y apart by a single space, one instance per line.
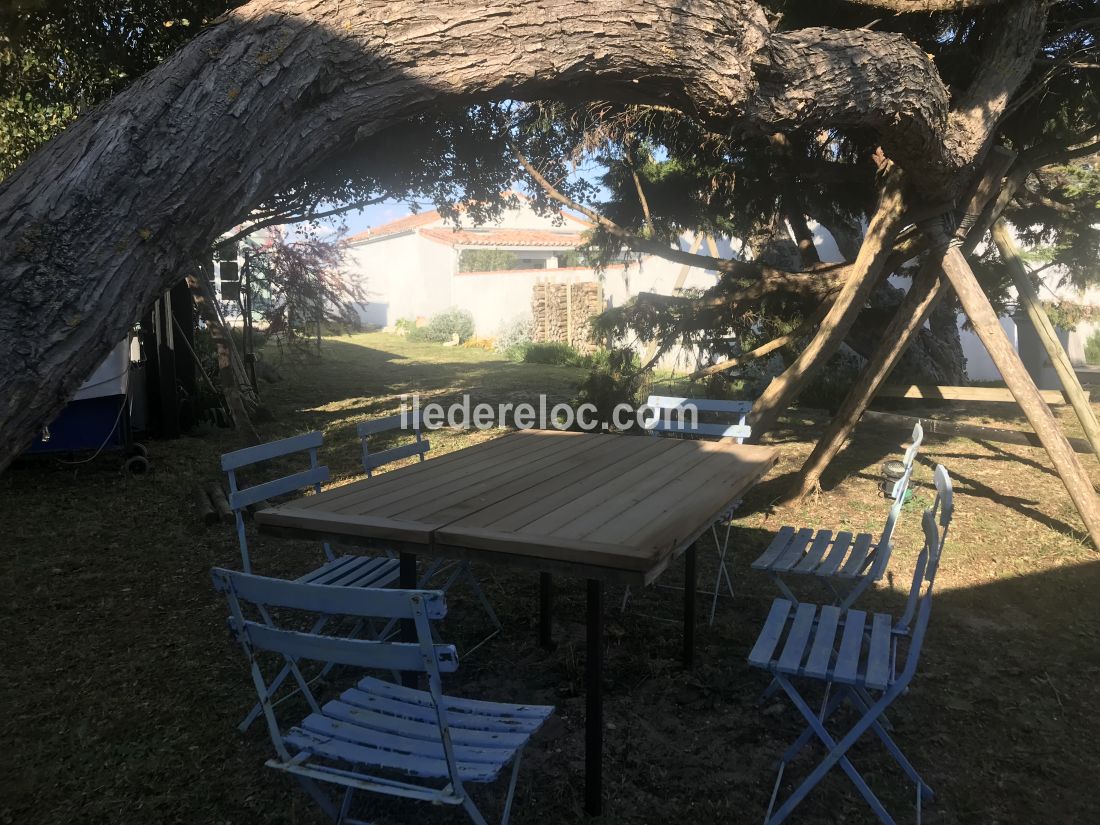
456 570
376 737
846 564
855 656
679 418
342 571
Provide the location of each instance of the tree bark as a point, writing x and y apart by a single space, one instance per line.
923 296
866 271
100 220
925 6
1006 245
1012 370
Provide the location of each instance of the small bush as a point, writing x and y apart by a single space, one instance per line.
404 326
551 352
513 338
1092 349
613 381
444 326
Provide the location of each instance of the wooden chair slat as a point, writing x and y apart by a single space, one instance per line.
822 541
824 643
854 565
846 670
794 651
877 676
794 552
272 449
326 599
779 543
761 653
278 487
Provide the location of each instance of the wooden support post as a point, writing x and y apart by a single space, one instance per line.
168 393
923 296
866 273
916 306
223 339
1008 363
1029 299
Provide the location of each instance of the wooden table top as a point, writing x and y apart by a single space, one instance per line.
594 505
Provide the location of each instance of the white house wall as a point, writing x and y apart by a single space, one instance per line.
495 298
404 277
438 265
389 272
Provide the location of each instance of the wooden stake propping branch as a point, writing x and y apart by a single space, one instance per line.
1029 300
1015 375
925 293
867 270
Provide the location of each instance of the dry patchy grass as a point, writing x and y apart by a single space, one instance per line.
123 689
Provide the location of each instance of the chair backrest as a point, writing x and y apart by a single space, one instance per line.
680 416
935 523
246 592
241 497
409 421
901 486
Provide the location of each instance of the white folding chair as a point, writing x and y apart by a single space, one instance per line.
846 564
855 656
376 737
455 571
679 418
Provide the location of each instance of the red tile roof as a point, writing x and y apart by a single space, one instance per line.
405 224
413 222
503 237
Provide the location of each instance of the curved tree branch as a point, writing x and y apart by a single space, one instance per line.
728 266
926 6
311 215
103 217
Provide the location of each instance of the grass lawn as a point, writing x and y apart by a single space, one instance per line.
122 689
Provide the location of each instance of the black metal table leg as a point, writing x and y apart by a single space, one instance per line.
593 720
546 611
689 607
407 581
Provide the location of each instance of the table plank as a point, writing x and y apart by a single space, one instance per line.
519 511
408 487
638 518
597 505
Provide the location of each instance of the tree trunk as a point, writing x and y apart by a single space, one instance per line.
223 341
101 219
1008 363
923 296
866 271
1006 245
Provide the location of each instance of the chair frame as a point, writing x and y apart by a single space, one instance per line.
425 656
806 553
811 654
372 461
663 425
419 447
366 570
239 498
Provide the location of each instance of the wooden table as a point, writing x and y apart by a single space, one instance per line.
606 508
